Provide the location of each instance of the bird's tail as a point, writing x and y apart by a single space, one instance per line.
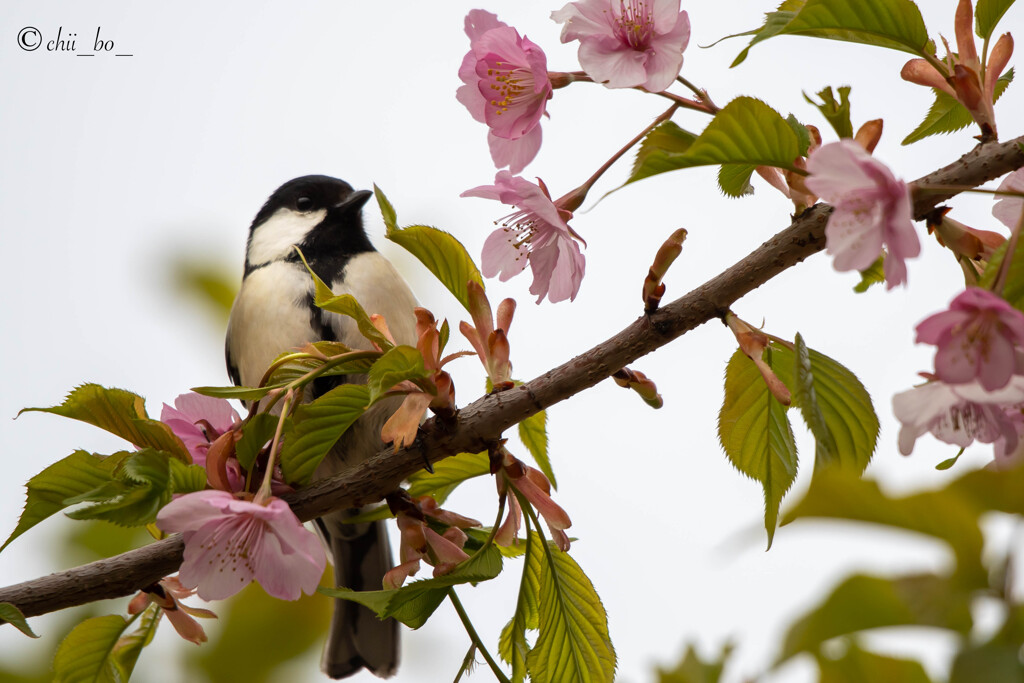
358 639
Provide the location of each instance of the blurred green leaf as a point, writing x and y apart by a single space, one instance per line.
121 413
836 113
987 15
1013 288
85 655
448 474
13 616
573 642
533 432
850 423
755 433
128 648
317 426
693 669
211 282
992 662
947 115
76 474
872 275
857 666
863 602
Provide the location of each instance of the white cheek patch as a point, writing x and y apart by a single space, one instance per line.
274 239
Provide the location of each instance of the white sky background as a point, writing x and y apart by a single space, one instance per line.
110 167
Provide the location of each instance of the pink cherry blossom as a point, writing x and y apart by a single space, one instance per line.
198 420
871 209
168 594
627 43
506 87
230 542
536 235
960 414
1010 210
978 339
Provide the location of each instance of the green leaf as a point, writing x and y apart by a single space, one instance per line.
397 365
186 478
894 24
652 156
987 15
872 275
802 134
745 131
13 616
255 435
85 655
533 432
863 602
448 474
947 115
734 179
573 642
836 113
142 485
443 255
76 474
413 603
345 304
827 452
843 402
948 514
693 669
756 435
857 665
317 426
386 209
128 648
992 662
121 413
513 646
239 393
1013 288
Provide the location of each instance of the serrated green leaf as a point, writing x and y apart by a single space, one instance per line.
948 514
872 275
443 255
128 648
317 426
734 179
142 486
533 432
745 131
864 602
843 402
513 646
239 393
826 452
756 435
84 656
987 14
667 138
573 642
448 474
413 603
344 304
1013 287
186 478
255 435
947 115
386 209
857 665
76 474
121 413
774 24
803 135
13 616
397 365
836 113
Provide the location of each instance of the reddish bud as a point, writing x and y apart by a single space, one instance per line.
869 134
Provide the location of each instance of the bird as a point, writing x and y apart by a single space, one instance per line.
274 312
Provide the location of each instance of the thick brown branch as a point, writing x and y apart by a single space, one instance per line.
485 419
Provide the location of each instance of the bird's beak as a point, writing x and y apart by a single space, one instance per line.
353 202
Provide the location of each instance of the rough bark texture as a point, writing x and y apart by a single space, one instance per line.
484 420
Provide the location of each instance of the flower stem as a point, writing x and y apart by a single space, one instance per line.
498 673
701 94
264 493
685 102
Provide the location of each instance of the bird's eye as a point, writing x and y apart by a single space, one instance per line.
304 204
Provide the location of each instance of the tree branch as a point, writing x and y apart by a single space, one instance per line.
484 420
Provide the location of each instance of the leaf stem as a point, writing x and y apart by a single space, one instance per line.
475 637
264 493
701 94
